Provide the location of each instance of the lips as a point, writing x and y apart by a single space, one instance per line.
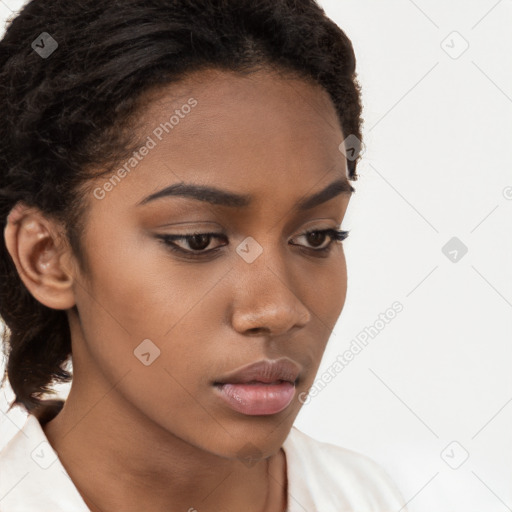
262 388
265 371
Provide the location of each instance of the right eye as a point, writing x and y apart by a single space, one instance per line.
196 242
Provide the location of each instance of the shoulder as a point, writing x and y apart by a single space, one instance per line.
331 478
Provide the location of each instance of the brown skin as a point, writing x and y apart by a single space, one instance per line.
136 437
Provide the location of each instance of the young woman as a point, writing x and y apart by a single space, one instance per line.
174 178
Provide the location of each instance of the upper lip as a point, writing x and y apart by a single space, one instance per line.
266 370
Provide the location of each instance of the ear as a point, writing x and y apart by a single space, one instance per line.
42 257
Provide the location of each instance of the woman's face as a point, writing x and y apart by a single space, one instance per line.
164 326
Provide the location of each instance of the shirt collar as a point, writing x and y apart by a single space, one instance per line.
33 477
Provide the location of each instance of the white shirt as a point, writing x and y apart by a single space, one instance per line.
321 477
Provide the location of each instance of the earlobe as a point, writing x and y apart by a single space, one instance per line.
34 243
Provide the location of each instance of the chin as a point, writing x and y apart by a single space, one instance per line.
255 438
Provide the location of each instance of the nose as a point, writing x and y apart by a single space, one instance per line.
267 300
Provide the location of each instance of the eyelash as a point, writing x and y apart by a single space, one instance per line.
168 240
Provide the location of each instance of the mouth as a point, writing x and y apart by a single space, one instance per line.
262 388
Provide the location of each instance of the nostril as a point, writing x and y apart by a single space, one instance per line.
254 330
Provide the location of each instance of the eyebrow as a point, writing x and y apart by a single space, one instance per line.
221 197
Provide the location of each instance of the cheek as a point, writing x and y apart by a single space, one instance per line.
327 292
137 292
136 280
326 296
133 298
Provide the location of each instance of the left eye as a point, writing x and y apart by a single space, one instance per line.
317 237
198 242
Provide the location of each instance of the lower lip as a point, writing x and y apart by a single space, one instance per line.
257 398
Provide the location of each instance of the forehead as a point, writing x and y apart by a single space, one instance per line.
249 110
223 92
245 133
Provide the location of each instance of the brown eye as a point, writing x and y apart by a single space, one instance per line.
195 244
199 242
315 239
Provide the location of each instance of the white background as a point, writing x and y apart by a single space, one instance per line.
436 165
